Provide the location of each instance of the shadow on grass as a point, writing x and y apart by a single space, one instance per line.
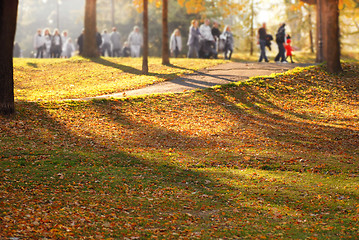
96 181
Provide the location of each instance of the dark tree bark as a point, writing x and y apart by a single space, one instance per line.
8 16
165 47
145 38
333 37
90 46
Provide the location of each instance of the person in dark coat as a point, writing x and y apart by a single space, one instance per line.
280 39
262 41
80 42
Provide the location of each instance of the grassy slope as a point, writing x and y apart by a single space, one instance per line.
269 158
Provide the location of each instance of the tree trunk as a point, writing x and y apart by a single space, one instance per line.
319 37
332 40
145 38
252 29
165 47
8 16
310 29
90 46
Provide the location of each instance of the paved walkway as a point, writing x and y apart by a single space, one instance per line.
218 75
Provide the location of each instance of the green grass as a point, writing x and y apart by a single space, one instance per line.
264 159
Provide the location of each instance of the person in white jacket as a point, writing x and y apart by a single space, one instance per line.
135 40
207 42
39 44
176 43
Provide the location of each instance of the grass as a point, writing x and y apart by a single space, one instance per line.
58 79
264 159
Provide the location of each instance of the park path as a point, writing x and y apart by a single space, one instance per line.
217 75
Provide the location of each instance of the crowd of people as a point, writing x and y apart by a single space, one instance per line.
204 41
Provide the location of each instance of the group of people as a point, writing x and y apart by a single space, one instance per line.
53 45
110 43
206 42
283 41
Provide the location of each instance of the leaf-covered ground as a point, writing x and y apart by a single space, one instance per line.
271 158
57 79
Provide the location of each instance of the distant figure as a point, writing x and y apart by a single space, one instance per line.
229 42
69 48
115 38
39 44
262 41
193 40
16 50
280 39
289 49
106 44
207 42
80 42
98 41
135 40
48 38
56 44
176 43
216 34
126 50
64 38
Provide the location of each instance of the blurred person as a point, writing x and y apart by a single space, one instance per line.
106 44
176 43
280 39
16 50
227 35
193 40
115 38
216 34
98 41
56 44
289 49
80 41
47 39
135 40
39 44
69 48
64 38
262 41
207 43
126 50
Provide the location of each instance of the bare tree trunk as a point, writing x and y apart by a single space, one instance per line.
319 37
145 38
252 29
311 44
90 47
165 47
333 38
8 16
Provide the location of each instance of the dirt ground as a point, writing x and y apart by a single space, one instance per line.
217 75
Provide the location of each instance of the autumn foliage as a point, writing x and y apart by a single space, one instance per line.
270 158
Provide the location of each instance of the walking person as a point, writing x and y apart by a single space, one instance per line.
193 40
69 48
216 34
115 38
80 41
135 40
47 39
176 43
64 38
227 35
106 44
280 39
56 44
289 49
39 44
262 41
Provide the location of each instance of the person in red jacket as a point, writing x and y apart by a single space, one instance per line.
289 49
